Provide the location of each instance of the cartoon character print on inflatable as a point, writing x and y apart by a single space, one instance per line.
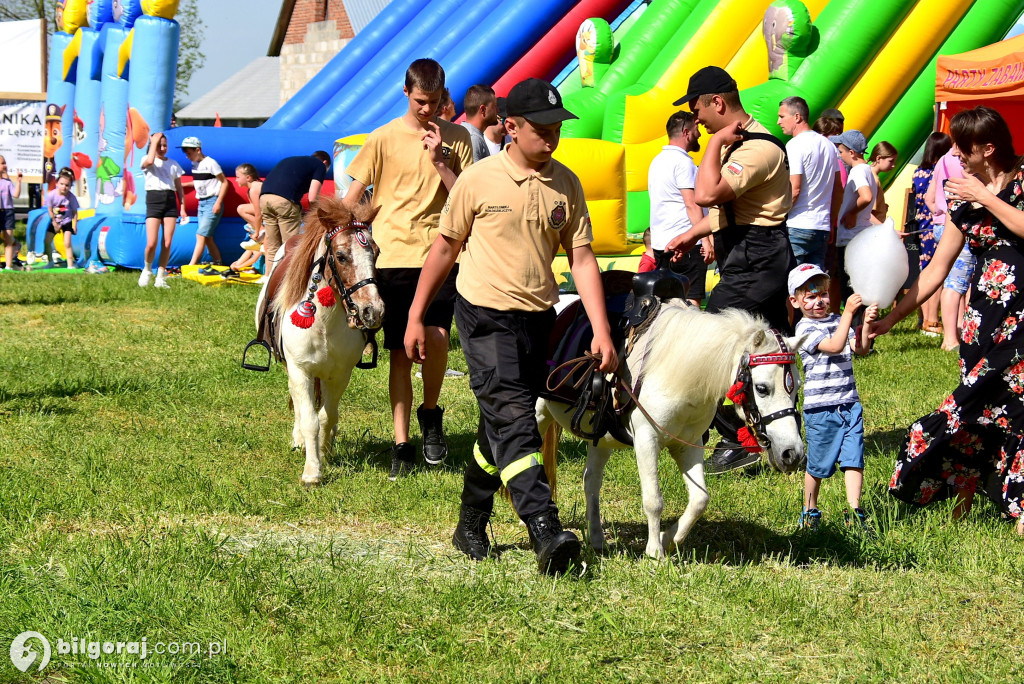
136 136
51 143
788 33
594 45
71 15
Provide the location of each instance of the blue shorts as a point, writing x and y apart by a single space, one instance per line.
960 276
809 246
835 435
7 219
207 219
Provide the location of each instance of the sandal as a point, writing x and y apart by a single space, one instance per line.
931 328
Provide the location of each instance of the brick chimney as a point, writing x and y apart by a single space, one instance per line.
317 31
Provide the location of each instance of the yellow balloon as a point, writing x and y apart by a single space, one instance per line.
160 8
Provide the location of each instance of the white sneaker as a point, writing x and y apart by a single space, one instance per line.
30 258
161 282
250 245
145 278
71 264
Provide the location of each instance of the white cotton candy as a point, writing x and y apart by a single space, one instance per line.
876 261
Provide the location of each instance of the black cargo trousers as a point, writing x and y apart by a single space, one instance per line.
506 352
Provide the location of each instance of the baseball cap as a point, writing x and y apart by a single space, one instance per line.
502 107
707 81
833 113
191 141
853 139
801 274
536 101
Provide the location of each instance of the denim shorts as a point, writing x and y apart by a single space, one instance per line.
960 276
207 219
835 436
809 246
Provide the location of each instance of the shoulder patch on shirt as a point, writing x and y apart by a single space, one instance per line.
734 168
557 219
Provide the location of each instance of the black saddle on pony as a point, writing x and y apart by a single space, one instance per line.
631 301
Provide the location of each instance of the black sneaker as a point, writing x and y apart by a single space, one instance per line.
556 548
402 457
435 448
729 457
471 533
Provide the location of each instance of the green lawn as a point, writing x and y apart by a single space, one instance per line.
147 490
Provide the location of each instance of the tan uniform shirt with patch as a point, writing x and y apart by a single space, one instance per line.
758 175
407 187
513 224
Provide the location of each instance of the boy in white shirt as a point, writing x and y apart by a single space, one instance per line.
858 198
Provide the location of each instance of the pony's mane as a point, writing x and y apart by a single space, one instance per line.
701 351
327 213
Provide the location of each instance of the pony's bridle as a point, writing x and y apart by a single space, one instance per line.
740 393
362 237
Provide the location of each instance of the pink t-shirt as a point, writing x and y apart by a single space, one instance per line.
948 166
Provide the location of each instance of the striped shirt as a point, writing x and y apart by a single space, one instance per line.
828 378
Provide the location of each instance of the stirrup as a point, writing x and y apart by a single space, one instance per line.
256 367
372 363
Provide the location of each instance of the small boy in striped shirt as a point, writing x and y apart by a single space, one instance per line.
832 410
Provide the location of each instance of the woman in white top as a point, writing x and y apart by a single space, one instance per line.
165 200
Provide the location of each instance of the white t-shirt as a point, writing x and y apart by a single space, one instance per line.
860 176
493 147
204 175
162 174
671 171
812 156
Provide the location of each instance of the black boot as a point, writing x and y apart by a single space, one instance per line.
729 454
435 448
556 549
471 533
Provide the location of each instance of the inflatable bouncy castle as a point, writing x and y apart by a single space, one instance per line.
111 74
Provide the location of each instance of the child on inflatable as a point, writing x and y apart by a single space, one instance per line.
248 177
63 208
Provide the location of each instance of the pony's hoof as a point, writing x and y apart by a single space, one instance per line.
311 483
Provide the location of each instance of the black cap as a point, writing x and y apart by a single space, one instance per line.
536 101
502 109
708 81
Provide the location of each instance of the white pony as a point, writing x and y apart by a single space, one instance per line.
687 361
324 300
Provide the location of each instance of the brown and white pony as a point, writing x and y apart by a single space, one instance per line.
324 301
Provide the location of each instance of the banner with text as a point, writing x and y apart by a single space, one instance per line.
21 137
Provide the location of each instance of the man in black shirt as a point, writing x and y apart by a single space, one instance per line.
281 198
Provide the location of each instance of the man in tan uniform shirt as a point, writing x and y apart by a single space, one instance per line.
744 179
510 213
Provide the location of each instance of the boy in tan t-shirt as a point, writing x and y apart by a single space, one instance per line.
412 163
518 207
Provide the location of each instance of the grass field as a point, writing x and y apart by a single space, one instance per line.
147 490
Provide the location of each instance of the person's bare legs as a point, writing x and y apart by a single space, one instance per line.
854 479
69 255
930 309
434 366
170 223
400 392
8 247
951 313
811 487
152 235
205 243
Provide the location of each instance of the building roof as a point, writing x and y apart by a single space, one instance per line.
252 93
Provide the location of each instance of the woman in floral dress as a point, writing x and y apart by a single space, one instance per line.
976 438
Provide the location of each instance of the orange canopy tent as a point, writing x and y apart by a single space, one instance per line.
992 76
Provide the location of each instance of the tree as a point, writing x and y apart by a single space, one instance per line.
190 57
